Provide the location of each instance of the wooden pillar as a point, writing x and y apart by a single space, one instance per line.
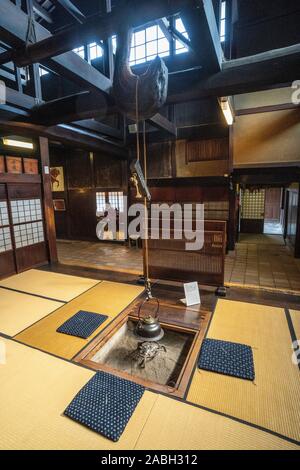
232 195
48 200
297 240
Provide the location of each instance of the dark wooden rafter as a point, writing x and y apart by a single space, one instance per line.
162 123
72 9
42 12
237 76
246 75
13 30
68 134
204 34
172 33
103 26
108 46
75 107
83 106
92 127
103 129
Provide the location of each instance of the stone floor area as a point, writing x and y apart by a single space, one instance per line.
263 261
259 261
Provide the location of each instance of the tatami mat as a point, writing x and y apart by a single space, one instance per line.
108 298
19 311
36 389
295 315
49 284
176 425
273 400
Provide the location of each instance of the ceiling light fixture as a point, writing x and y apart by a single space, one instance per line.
17 143
227 109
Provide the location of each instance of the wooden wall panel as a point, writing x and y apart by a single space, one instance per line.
207 150
2 191
31 256
7 264
273 204
109 172
82 214
79 172
264 32
159 156
23 191
207 168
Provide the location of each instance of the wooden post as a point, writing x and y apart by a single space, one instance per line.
48 200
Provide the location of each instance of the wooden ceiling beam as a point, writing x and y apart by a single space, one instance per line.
82 106
13 30
162 123
72 9
100 26
71 108
239 76
204 35
103 129
245 75
42 13
68 135
172 33
21 117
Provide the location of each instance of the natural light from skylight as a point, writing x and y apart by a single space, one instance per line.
223 22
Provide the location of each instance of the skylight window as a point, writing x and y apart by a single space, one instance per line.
223 22
179 47
95 51
151 42
114 43
147 44
43 71
80 51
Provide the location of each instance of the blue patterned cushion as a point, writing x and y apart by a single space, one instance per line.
227 358
105 404
82 324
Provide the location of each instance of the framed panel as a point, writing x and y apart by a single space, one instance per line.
57 179
14 165
2 164
59 205
31 256
31 166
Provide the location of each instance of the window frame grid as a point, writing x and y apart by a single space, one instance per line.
116 200
27 231
100 205
6 242
143 43
2 218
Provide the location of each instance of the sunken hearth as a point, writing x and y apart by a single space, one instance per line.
164 366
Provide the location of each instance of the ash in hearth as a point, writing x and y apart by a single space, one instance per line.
146 352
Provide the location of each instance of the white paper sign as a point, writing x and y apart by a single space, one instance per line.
192 294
